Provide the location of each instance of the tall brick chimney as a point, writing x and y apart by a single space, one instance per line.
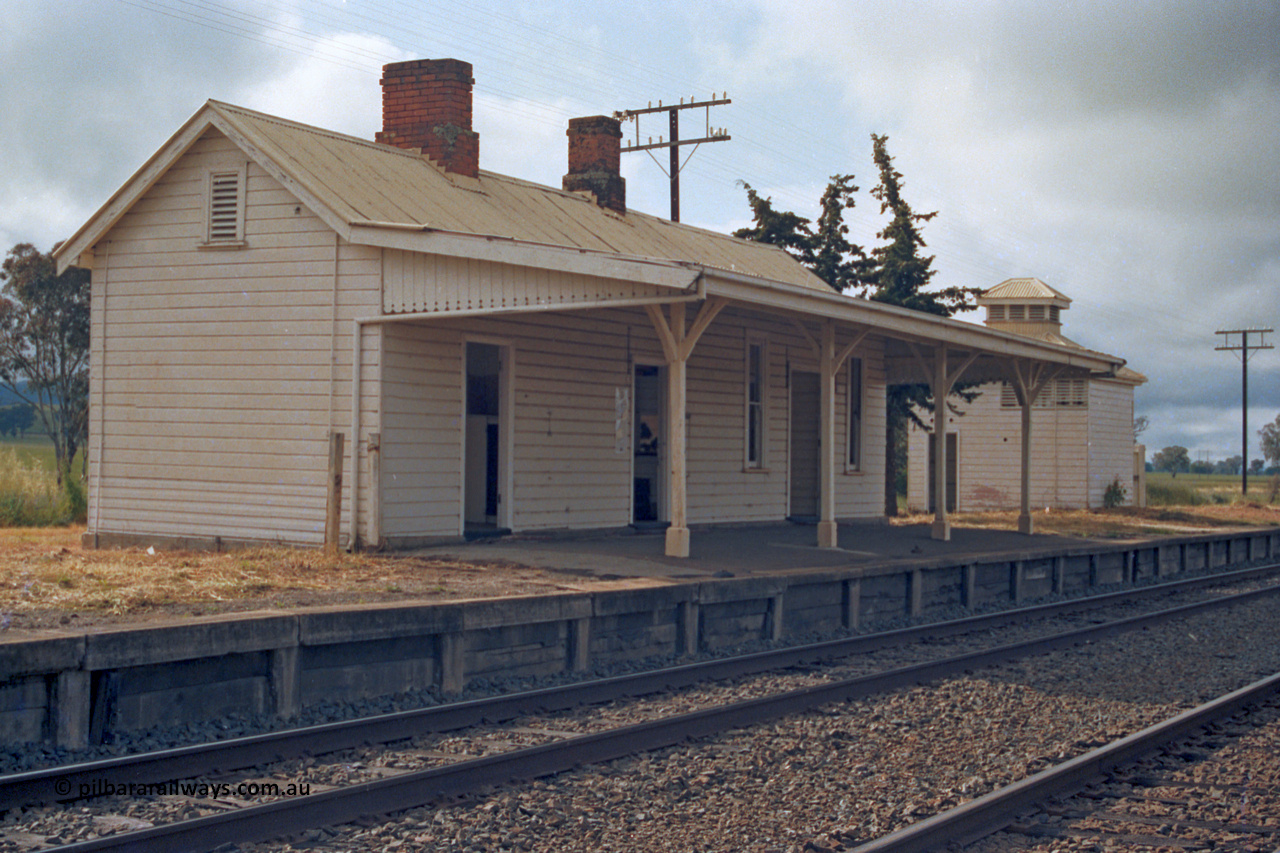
595 158
426 103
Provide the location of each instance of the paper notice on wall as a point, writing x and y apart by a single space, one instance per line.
621 420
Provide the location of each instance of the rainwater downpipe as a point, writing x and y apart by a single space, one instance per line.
357 383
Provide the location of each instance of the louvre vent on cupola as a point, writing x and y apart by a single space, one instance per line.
1025 306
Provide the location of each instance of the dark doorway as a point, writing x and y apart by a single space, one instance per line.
482 485
648 420
806 441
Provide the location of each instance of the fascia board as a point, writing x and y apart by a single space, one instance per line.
307 195
903 323
68 254
208 116
1060 301
505 250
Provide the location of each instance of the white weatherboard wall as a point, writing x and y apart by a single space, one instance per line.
1075 452
218 374
215 384
1111 439
566 470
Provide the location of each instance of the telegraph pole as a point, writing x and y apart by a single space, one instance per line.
1245 350
674 141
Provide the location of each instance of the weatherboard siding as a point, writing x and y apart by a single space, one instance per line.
1075 452
214 380
566 471
1111 439
416 282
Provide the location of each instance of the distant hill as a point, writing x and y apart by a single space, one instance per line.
8 398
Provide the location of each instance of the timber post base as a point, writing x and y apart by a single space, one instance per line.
828 534
677 542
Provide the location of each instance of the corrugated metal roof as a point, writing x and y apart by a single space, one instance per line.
1052 337
1023 288
367 182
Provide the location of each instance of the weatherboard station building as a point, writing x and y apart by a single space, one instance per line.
1081 426
305 337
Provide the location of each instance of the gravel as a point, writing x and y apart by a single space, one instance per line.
833 778
20 757
825 780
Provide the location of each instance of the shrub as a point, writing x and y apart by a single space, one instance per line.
76 498
29 494
1173 494
1114 494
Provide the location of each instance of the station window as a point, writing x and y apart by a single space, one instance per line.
756 373
854 461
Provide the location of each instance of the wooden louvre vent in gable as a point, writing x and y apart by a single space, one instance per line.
225 207
1061 393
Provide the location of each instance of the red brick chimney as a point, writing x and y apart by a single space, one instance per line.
595 157
426 104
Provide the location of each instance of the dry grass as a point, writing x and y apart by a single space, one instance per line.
47 579
29 492
1125 522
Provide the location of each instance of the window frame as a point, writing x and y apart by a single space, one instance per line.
214 236
855 414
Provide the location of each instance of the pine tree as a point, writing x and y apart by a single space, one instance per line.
895 272
826 250
900 277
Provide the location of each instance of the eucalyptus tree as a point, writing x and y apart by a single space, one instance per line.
44 345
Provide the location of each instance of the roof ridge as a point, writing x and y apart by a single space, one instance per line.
223 107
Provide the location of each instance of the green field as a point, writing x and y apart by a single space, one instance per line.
37 449
29 492
1208 488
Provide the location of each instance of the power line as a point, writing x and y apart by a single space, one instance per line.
535 77
1245 350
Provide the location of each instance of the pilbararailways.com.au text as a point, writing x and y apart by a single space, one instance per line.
187 788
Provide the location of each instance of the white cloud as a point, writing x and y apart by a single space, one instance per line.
334 85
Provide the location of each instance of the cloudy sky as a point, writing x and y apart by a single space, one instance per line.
1125 153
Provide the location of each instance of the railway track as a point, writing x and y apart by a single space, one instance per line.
565 749
1206 779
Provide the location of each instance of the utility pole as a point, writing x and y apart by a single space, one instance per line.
674 141
1245 350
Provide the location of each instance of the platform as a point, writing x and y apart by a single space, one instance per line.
749 550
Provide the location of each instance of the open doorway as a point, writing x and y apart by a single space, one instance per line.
484 463
648 505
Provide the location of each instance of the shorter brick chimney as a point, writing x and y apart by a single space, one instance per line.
426 104
595 158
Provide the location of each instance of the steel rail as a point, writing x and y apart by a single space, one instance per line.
992 812
415 788
65 781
